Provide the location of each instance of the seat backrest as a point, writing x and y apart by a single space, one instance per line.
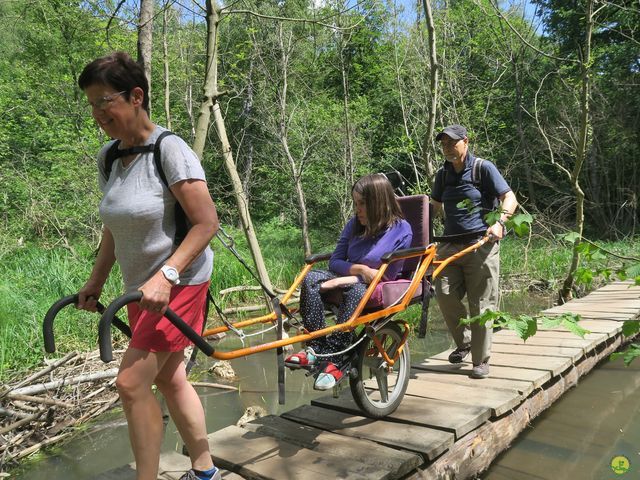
415 209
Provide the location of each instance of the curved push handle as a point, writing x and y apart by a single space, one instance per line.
47 324
108 317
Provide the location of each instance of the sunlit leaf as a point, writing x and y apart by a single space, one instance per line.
483 318
492 217
524 325
583 248
567 320
584 276
521 230
570 237
520 218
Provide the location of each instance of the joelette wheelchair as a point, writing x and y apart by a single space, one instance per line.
378 362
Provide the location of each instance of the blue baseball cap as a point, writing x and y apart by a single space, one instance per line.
456 132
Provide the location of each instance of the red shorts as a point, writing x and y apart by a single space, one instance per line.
155 333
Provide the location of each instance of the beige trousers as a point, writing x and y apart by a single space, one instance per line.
475 275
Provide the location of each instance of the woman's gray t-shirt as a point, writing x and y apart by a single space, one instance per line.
138 209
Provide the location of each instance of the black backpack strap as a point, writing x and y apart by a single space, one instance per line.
157 158
115 153
111 156
182 226
476 173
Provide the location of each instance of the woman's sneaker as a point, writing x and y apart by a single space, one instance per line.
300 360
328 378
213 474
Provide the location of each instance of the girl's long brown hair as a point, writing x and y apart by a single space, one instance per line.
382 207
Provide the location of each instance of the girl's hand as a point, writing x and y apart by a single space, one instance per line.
338 282
367 273
155 293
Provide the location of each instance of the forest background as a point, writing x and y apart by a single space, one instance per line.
300 99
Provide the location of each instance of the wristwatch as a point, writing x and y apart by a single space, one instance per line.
170 274
504 227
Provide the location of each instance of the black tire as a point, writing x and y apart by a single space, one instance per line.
369 375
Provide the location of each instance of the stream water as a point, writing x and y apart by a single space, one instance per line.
580 434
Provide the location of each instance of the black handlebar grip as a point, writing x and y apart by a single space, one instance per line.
47 324
104 328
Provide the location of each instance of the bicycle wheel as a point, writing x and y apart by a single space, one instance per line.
377 387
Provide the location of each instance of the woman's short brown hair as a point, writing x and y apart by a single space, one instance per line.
117 70
381 203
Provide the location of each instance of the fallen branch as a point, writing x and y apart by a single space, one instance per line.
19 423
41 373
214 385
44 401
43 387
38 446
6 412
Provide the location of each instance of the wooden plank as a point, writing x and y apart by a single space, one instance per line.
453 417
536 377
524 388
590 315
609 327
549 351
427 441
553 341
619 307
172 466
593 337
255 456
555 365
499 401
397 462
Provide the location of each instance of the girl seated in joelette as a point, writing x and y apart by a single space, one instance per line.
376 229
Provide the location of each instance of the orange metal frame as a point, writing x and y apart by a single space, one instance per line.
427 260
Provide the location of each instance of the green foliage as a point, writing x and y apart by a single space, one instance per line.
630 328
525 325
628 355
566 320
520 223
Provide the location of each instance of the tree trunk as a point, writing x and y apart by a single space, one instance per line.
428 146
582 147
403 108
296 170
526 161
165 62
348 145
210 106
145 37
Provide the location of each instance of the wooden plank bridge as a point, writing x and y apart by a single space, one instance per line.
448 425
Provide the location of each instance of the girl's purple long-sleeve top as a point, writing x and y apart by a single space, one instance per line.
353 249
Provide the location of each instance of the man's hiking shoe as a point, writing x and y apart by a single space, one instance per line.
480 371
328 378
300 360
459 354
213 474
